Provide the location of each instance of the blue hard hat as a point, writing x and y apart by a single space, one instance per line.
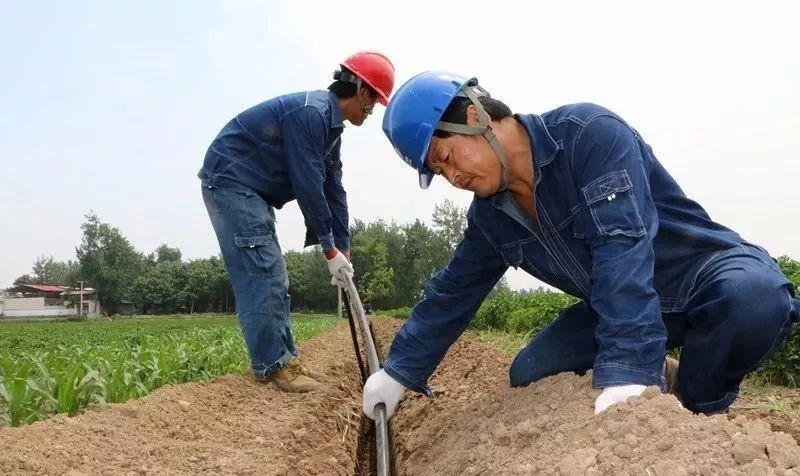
414 112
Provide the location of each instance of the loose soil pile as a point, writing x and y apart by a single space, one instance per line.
476 425
230 425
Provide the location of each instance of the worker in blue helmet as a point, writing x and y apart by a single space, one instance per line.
577 198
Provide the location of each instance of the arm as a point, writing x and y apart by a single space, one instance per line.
337 201
304 134
452 297
621 222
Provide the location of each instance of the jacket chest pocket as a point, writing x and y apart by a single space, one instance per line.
613 206
512 255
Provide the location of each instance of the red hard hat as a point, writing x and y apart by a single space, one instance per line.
374 69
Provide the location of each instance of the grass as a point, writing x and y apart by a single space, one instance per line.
64 367
509 343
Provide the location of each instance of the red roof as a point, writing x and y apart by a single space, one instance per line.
47 288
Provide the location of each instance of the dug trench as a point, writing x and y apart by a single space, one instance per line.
476 425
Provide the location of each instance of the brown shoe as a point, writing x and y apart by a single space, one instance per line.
671 375
300 366
291 379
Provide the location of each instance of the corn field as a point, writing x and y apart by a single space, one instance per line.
50 368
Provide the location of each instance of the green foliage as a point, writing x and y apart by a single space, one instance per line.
108 261
164 253
400 312
377 282
790 268
207 284
48 368
310 281
784 367
449 222
162 287
61 273
24 279
521 312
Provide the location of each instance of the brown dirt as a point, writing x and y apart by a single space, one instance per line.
477 425
778 406
229 425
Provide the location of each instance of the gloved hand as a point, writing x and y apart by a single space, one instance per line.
339 264
618 394
382 388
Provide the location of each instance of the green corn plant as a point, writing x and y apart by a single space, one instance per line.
22 403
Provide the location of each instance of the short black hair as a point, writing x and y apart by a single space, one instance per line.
343 89
456 112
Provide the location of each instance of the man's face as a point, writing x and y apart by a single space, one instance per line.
467 162
366 100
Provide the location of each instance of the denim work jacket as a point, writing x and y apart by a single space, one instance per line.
616 230
288 148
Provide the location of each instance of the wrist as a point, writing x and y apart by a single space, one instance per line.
330 253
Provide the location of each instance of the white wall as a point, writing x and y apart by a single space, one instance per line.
50 311
23 304
35 307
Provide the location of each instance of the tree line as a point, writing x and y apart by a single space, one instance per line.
392 262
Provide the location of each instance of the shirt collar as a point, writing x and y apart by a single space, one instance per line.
336 114
544 146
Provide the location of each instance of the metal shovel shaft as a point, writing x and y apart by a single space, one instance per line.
383 451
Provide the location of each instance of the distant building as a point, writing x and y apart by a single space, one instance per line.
46 300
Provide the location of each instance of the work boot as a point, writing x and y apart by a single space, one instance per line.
291 378
301 367
671 376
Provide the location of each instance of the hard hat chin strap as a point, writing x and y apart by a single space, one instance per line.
473 92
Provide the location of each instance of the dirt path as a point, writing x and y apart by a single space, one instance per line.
230 425
476 425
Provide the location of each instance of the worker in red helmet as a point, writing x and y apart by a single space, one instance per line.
283 149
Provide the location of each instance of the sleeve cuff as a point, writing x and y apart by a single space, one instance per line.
343 243
406 380
326 241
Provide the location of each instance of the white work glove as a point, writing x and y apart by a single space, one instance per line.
382 388
337 265
618 394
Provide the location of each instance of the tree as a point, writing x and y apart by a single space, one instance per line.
791 269
449 222
162 288
108 261
206 284
376 281
24 279
165 253
47 270
309 281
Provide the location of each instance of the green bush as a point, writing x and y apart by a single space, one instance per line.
400 312
525 312
784 367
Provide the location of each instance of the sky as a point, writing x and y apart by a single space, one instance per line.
110 106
